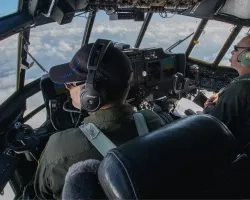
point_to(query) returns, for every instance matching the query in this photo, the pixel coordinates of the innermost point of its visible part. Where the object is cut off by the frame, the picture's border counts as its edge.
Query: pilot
(113, 117)
(232, 104)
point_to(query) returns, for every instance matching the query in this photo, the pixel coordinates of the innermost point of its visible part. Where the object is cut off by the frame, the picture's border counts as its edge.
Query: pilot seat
(194, 157)
(182, 160)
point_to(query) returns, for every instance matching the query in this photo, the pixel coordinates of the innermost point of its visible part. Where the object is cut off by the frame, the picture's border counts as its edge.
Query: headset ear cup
(90, 100)
(103, 97)
(125, 94)
(245, 59)
(82, 99)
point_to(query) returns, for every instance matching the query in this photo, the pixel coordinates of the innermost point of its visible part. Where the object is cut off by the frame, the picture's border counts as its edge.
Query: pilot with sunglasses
(232, 104)
(113, 116)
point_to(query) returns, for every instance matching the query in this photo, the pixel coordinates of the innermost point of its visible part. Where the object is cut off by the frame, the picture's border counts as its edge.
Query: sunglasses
(236, 48)
(70, 86)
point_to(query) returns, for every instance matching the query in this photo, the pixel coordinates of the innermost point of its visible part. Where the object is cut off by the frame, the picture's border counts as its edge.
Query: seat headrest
(176, 161)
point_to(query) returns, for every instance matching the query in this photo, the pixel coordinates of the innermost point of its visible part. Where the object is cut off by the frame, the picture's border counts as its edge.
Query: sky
(9, 7)
(53, 44)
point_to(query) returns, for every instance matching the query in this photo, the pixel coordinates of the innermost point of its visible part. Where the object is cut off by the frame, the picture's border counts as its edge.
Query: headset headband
(95, 58)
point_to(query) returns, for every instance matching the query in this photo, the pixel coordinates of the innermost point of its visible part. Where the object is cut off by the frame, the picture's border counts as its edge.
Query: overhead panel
(237, 8)
(145, 4)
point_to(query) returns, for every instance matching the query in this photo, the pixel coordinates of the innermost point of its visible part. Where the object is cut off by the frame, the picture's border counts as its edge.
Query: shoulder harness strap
(140, 123)
(100, 141)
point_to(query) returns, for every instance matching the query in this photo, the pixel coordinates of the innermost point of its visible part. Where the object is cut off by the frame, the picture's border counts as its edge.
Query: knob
(17, 125)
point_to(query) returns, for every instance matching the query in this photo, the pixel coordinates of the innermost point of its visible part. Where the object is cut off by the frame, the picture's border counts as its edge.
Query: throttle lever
(187, 87)
(196, 69)
(176, 77)
(180, 75)
(187, 82)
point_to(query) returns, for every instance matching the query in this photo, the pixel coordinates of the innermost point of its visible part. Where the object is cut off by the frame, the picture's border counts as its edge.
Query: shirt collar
(242, 77)
(109, 116)
(239, 78)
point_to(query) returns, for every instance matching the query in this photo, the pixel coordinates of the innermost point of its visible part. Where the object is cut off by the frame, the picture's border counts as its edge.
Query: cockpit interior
(161, 77)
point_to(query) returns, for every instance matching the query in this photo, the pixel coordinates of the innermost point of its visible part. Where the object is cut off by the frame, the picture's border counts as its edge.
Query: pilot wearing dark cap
(104, 100)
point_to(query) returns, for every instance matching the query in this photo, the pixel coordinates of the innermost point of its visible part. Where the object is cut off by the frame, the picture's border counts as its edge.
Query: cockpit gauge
(219, 84)
(206, 82)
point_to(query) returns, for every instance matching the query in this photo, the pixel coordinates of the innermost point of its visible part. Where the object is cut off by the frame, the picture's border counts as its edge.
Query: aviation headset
(244, 58)
(91, 97)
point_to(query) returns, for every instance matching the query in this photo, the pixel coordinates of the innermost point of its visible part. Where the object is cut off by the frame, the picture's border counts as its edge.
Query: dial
(206, 82)
(219, 84)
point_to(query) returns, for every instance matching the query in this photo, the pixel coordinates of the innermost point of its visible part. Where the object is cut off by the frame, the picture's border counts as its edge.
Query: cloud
(8, 81)
(5, 93)
(8, 87)
(8, 192)
(32, 103)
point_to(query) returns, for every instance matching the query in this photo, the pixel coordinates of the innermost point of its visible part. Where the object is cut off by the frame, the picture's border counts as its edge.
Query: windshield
(8, 193)
(163, 32)
(8, 65)
(32, 103)
(211, 41)
(8, 7)
(52, 44)
(125, 31)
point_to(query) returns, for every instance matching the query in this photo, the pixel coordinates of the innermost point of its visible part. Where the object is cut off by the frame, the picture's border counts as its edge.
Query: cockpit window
(225, 61)
(52, 44)
(164, 32)
(8, 192)
(211, 41)
(8, 7)
(31, 104)
(122, 31)
(8, 63)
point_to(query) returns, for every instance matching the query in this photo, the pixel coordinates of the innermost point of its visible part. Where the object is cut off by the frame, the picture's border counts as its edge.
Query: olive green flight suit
(71, 146)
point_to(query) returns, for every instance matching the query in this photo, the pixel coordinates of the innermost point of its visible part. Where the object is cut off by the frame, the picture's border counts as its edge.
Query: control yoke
(181, 84)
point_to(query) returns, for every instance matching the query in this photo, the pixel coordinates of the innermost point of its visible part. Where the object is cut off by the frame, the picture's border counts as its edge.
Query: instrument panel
(213, 83)
(213, 80)
(153, 65)
(153, 71)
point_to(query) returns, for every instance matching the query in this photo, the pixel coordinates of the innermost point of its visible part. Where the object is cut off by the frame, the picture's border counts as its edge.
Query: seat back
(177, 161)
(81, 181)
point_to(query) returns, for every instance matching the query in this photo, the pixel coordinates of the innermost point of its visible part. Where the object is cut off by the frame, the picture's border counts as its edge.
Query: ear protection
(92, 98)
(244, 58)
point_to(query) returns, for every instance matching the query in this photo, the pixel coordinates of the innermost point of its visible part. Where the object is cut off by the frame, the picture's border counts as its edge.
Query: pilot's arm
(62, 151)
(230, 105)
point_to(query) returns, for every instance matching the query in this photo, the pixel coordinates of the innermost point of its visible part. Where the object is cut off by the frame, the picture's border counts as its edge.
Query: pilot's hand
(211, 100)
